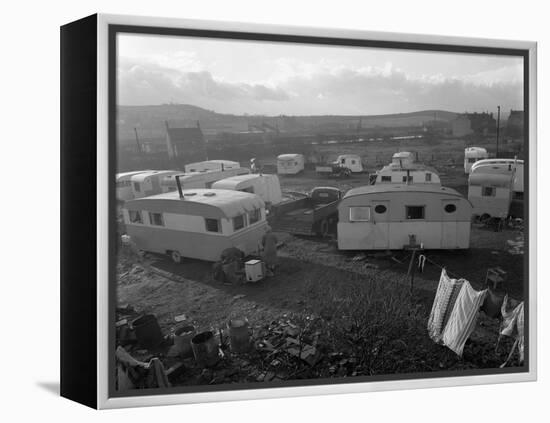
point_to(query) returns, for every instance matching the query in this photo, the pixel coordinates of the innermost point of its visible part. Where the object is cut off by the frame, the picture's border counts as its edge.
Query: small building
(267, 187)
(124, 184)
(209, 165)
(351, 161)
(472, 155)
(515, 123)
(198, 179)
(186, 144)
(393, 217)
(290, 164)
(149, 183)
(416, 173)
(196, 223)
(482, 123)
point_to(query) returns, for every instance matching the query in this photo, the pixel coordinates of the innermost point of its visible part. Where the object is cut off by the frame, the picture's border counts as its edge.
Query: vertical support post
(137, 141)
(411, 270)
(498, 126)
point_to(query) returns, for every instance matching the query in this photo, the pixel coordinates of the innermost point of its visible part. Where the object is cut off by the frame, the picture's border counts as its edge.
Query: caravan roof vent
(209, 194)
(189, 194)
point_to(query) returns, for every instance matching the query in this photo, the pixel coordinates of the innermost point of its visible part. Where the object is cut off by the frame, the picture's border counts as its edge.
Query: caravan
(198, 179)
(196, 223)
(393, 217)
(403, 159)
(503, 167)
(493, 185)
(149, 183)
(290, 164)
(472, 155)
(413, 174)
(266, 186)
(351, 161)
(210, 165)
(124, 189)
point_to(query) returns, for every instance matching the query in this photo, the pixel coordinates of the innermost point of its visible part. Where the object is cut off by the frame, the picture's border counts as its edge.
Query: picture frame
(90, 132)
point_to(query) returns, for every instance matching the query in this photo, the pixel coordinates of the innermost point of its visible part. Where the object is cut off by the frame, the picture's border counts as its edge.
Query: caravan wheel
(175, 256)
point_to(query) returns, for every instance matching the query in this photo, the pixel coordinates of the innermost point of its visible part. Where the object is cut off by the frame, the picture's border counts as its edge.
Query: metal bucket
(147, 331)
(182, 341)
(205, 349)
(239, 335)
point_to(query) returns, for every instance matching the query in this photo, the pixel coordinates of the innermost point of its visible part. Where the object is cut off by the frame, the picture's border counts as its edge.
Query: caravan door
(381, 228)
(449, 224)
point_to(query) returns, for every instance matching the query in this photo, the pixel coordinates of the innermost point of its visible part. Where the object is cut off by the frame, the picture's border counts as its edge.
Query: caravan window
(238, 222)
(135, 216)
(415, 212)
(450, 208)
(386, 178)
(428, 177)
(212, 225)
(488, 191)
(137, 187)
(359, 214)
(254, 216)
(407, 178)
(156, 219)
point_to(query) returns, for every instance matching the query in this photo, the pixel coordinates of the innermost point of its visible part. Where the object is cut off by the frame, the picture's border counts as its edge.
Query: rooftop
(390, 188)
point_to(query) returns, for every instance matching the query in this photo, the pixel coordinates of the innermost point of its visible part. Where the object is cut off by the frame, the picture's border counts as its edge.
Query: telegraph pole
(137, 141)
(498, 126)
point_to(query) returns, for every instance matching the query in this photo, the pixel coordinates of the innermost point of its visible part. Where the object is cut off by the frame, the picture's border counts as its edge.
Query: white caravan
(403, 159)
(266, 186)
(149, 183)
(472, 155)
(503, 167)
(124, 184)
(351, 161)
(493, 184)
(414, 174)
(290, 164)
(199, 179)
(209, 165)
(196, 223)
(393, 217)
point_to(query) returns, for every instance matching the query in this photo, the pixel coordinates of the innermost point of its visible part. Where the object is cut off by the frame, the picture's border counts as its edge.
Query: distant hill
(150, 121)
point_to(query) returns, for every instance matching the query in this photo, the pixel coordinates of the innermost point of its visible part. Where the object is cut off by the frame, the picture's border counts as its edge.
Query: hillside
(150, 121)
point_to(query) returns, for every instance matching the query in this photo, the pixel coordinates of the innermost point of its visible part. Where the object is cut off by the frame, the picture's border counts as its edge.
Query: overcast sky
(296, 79)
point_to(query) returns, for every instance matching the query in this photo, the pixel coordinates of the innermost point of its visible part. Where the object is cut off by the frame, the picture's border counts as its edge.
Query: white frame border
(103, 401)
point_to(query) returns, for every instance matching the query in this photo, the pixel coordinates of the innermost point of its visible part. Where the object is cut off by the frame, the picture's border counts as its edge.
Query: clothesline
(452, 274)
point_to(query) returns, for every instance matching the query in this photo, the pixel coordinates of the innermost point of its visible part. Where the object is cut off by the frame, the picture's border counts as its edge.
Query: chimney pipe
(178, 183)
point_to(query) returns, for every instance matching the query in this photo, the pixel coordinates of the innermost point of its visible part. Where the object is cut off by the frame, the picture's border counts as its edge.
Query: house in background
(185, 144)
(515, 123)
(474, 123)
(461, 126)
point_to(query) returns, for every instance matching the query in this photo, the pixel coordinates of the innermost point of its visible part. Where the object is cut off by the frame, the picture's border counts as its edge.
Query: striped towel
(463, 317)
(445, 298)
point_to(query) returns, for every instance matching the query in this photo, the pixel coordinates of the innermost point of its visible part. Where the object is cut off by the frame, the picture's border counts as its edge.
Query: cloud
(148, 83)
(306, 90)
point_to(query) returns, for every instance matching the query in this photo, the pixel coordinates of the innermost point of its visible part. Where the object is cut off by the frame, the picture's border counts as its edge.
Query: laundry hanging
(513, 326)
(463, 318)
(454, 312)
(445, 297)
